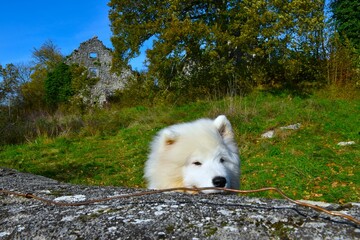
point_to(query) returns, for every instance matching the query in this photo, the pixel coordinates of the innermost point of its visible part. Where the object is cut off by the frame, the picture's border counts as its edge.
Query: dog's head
(205, 152)
(214, 169)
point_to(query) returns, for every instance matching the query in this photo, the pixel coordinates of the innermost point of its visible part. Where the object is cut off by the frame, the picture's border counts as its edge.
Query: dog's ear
(224, 127)
(169, 136)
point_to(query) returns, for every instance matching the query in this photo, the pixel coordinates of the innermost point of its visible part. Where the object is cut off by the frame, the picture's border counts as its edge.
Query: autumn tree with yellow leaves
(224, 46)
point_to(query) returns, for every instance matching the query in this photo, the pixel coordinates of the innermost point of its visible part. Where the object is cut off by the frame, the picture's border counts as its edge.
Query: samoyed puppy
(197, 154)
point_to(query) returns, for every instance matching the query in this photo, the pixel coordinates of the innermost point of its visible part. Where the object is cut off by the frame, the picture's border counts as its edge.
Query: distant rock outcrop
(158, 216)
(97, 58)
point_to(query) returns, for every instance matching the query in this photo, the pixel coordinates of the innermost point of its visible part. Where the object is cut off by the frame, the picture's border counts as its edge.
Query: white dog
(198, 154)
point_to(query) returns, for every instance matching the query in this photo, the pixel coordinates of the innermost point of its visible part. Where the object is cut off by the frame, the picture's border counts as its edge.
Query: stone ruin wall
(97, 58)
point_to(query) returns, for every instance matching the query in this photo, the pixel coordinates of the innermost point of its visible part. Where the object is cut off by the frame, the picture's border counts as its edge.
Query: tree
(66, 81)
(58, 85)
(344, 44)
(33, 91)
(47, 56)
(10, 84)
(12, 78)
(81, 84)
(45, 59)
(346, 17)
(218, 45)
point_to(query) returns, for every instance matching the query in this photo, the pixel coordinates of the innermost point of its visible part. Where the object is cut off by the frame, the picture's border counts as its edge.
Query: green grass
(112, 145)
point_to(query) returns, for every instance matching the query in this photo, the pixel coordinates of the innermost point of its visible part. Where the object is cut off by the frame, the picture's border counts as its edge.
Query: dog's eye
(197, 163)
(222, 160)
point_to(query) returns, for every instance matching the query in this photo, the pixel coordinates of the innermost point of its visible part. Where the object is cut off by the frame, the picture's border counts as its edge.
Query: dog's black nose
(219, 181)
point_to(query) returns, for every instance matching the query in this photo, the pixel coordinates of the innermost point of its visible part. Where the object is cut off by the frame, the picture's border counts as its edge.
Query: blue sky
(25, 25)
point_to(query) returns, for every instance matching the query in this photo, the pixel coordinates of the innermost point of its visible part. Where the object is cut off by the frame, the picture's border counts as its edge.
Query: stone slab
(159, 216)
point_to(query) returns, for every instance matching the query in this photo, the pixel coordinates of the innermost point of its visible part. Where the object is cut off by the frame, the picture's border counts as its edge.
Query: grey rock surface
(346, 143)
(158, 216)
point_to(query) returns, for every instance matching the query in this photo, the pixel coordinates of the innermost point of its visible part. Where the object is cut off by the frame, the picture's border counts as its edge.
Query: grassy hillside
(111, 146)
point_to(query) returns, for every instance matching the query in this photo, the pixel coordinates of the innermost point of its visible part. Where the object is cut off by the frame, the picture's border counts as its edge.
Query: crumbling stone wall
(97, 58)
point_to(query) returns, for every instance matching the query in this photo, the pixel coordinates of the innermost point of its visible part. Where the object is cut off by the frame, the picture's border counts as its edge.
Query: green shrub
(58, 85)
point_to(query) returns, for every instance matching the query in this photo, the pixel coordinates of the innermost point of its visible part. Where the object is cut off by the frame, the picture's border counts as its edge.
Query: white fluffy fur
(193, 154)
